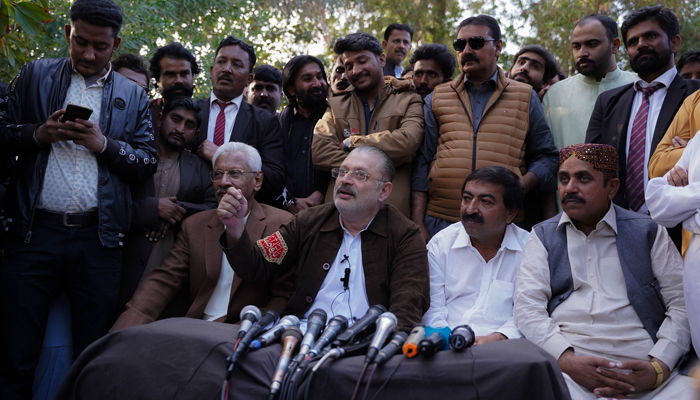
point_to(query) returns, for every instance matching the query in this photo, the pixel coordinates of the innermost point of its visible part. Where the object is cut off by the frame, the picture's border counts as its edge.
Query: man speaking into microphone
(346, 255)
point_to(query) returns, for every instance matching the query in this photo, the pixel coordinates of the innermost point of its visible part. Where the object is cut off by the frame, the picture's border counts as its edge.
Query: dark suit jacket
(196, 259)
(260, 129)
(196, 193)
(611, 116)
(389, 68)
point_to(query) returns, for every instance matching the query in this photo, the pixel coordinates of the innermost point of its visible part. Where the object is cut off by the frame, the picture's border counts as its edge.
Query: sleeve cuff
(510, 333)
(104, 146)
(666, 351)
(556, 345)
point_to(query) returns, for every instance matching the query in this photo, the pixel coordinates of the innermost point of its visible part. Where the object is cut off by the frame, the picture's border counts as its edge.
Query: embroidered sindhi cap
(603, 157)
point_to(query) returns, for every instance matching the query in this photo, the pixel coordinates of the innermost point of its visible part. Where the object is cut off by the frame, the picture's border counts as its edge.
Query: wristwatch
(659, 374)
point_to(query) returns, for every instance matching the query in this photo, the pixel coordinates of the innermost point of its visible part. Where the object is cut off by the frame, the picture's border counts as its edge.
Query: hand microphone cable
(369, 380)
(389, 377)
(359, 380)
(385, 354)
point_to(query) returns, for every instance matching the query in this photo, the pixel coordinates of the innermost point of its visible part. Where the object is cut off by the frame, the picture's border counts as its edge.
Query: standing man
(473, 262)
(306, 89)
(227, 118)
(432, 65)
(266, 89)
(396, 46)
(633, 118)
(569, 104)
(374, 112)
(69, 198)
(174, 69)
(339, 79)
(600, 288)
(533, 65)
(181, 187)
(480, 119)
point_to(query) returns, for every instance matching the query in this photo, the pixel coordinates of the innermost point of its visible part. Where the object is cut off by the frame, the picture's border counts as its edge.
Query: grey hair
(386, 166)
(251, 154)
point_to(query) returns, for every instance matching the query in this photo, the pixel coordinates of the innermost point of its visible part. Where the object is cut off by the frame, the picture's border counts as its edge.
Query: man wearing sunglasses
(480, 119)
(197, 263)
(347, 255)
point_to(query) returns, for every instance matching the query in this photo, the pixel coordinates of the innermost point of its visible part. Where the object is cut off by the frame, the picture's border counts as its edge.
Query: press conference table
(183, 358)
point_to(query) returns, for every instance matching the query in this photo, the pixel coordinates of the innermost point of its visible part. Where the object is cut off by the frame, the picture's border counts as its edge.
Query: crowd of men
(524, 203)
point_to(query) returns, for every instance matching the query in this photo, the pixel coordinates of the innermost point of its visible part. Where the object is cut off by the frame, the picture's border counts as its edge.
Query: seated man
(347, 255)
(198, 260)
(473, 262)
(600, 288)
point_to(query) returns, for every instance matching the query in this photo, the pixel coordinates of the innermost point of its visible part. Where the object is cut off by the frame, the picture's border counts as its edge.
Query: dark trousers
(58, 259)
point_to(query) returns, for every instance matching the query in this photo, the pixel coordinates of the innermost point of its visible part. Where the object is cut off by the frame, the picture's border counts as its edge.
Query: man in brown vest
(480, 119)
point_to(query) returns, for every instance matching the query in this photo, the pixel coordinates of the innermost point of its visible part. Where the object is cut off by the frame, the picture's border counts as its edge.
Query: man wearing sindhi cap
(600, 288)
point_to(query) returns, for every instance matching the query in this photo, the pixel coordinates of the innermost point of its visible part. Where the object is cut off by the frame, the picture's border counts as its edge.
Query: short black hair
(132, 62)
(483, 20)
(175, 51)
(406, 70)
(551, 66)
(608, 23)
(498, 175)
(98, 13)
(267, 73)
(666, 19)
(292, 68)
(400, 27)
(689, 56)
(438, 53)
(232, 41)
(185, 103)
(358, 41)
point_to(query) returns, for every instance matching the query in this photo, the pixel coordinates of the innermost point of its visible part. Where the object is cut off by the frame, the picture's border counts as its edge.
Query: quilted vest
(500, 139)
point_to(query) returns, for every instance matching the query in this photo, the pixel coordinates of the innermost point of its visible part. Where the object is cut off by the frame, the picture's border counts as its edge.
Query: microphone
(290, 339)
(269, 318)
(393, 347)
(334, 327)
(249, 316)
(461, 337)
(370, 317)
(386, 325)
(431, 344)
(410, 349)
(276, 331)
(316, 322)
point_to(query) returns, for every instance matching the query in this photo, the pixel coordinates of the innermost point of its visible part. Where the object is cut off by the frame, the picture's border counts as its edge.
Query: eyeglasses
(359, 176)
(475, 42)
(233, 174)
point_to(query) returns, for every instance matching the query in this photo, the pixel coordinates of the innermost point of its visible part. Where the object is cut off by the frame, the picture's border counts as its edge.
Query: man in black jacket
(233, 120)
(69, 199)
(306, 87)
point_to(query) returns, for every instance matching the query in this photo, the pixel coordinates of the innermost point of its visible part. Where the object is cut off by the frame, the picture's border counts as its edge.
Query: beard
(654, 61)
(313, 98)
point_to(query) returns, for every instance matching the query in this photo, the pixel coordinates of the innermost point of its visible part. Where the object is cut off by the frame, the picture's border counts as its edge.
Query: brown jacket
(396, 126)
(196, 259)
(394, 258)
(500, 139)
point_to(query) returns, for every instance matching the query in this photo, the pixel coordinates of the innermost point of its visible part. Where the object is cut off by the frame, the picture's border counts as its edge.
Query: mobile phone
(74, 111)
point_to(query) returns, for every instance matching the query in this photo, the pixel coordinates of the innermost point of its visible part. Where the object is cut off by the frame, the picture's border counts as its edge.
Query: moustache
(584, 60)
(177, 135)
(644, 52)
(572, 197)
(221, 192)
(468, 57)
(360, 76)
(524, 75)
(423, 89)
(225, 77)
(264, 100)
(466, 217)
(348, 189)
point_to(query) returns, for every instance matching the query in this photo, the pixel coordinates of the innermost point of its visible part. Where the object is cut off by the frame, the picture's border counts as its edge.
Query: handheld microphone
(334, 327)
(410, 349)
(359, 326)
(275, 332)
(269, 318)
(393, 347)
(290, 339)
(461, 337)
(316, 322)
(386, 325)
(431, 344)
(249, 316)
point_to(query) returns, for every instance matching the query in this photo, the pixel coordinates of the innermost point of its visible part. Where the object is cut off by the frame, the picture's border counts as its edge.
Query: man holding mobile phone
(69, 201)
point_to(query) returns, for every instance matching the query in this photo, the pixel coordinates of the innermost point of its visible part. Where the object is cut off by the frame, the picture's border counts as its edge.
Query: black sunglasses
(475, 42)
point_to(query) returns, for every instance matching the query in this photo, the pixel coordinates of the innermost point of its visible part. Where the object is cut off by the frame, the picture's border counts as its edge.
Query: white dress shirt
(597, 319)
(656, 100)
(670, 205)
(333, 297)
(465, 289)
(231, 113)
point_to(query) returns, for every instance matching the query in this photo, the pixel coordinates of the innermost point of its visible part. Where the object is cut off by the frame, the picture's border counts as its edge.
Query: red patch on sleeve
(273, 248)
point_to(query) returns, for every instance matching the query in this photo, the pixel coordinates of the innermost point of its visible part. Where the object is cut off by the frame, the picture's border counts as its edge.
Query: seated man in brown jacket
(196, 258)
(347, 255)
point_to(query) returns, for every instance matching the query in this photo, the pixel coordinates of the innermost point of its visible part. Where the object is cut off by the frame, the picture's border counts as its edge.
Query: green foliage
(20, 22)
